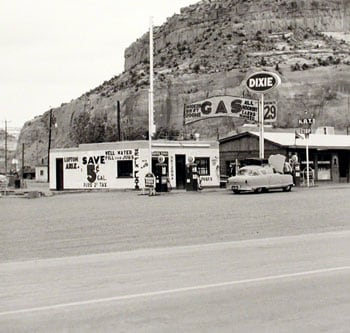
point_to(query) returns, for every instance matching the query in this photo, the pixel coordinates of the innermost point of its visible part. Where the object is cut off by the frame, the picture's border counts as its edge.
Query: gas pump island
(159, 181)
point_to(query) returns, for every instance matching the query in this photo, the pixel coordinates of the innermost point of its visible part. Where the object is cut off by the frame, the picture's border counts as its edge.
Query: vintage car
(258, 179)
(3, 179)
(3, 183)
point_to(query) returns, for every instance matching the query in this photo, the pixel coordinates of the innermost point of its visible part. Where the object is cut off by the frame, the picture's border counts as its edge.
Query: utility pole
(51, 122)
(118, 120)
(347, 125)
(150, 100)
(37, 144)
(5, 147)
(49, 147)
(22, 172)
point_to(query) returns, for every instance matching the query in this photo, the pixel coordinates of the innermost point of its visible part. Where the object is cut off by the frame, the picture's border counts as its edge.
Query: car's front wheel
(287, 188)
(236, 191)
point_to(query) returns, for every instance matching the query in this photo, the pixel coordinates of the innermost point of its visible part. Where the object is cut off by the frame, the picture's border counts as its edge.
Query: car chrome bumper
(235, 187)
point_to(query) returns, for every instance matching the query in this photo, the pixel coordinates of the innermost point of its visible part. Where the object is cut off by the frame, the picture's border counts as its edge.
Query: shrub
(196, 68)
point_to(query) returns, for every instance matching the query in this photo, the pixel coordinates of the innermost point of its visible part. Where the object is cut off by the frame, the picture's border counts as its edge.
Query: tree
(78, 132)
(131, 133)
(111, 133)
(167, 133)
(96, 129)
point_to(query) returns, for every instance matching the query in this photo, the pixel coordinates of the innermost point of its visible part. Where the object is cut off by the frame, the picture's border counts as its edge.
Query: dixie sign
(262, 82)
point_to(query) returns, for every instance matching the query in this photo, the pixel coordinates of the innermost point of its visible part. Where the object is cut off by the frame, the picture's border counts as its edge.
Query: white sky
(52, 51)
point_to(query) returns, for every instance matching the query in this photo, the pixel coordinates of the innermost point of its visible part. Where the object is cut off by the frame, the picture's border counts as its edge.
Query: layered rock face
(247, 16)
(208, 50)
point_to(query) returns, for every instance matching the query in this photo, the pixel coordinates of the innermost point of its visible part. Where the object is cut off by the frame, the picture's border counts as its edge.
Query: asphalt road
(188, 262)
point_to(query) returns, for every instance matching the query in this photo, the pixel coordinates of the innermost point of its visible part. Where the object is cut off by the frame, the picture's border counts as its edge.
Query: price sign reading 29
(270, 111)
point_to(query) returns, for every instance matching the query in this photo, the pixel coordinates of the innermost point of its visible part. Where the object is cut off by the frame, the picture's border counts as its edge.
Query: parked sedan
(258, 179)
(3, 183)
(3, 179)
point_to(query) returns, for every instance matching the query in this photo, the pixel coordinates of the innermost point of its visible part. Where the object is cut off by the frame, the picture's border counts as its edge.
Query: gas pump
(296, 170)
(161, 173)
(192, 176)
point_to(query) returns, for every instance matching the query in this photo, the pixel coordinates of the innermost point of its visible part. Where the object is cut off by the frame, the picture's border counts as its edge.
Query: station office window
(203, 166)
(324, 167)
(125, 169)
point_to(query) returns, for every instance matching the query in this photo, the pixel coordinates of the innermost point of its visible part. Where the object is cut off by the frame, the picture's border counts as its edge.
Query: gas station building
(124, 164)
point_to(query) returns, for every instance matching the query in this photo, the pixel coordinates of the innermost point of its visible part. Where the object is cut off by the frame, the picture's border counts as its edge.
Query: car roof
(254, 161)
(253, 167)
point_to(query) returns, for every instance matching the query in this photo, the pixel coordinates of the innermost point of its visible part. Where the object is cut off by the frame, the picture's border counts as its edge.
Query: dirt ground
(87, 223)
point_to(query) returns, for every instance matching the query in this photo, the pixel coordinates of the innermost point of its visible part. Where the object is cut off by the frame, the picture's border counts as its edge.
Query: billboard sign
(262, 82)
(228, 106)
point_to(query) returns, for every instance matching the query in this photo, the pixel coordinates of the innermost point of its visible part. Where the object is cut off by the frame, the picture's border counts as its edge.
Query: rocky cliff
(222, 23)
(209, 49)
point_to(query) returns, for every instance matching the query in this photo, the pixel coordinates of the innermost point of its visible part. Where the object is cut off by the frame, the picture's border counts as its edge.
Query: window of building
(203, 166)
(125, 169)
(324, 170)
(41, 172)
(324, 167)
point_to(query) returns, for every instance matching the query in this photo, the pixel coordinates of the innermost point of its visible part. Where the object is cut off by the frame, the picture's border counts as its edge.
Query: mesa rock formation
(208, 50)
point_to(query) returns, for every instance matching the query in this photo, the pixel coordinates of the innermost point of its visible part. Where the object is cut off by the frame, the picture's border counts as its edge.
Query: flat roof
(160, 144)
(316, 141)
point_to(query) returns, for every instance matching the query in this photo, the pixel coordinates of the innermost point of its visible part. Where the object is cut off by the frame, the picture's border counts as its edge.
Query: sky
(53, 51)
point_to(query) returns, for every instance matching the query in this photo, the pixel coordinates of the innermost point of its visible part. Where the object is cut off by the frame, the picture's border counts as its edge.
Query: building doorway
(344, 167)
(59, 174)
(180, 170)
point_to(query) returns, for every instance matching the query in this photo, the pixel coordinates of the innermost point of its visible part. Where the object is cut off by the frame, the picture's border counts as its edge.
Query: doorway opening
(180, 170)
(59, 174)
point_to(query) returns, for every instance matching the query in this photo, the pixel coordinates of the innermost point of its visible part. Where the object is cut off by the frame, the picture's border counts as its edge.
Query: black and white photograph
(175, 166)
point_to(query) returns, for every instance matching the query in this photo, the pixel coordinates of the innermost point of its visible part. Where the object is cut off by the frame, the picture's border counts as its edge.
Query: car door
(273, 178)
(261, 179)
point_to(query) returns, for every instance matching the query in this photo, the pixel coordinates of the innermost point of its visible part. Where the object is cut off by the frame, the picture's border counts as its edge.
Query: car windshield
(248, 172)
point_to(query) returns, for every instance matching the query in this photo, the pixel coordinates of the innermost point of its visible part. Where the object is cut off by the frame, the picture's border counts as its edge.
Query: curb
(38, 193)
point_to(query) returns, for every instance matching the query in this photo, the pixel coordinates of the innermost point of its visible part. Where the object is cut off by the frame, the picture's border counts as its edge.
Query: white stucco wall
(101, 160)
(41, 173)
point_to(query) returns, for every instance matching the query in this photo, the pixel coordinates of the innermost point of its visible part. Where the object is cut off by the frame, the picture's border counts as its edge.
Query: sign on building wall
(96, 169)
(228, 106)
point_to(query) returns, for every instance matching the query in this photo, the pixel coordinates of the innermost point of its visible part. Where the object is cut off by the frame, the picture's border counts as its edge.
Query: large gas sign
(228, 106)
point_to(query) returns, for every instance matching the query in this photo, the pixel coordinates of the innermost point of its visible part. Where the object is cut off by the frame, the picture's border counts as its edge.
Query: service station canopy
(229, 106)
